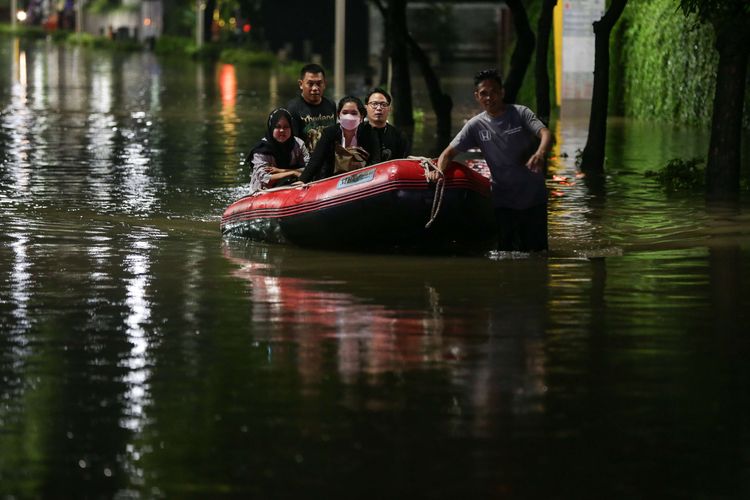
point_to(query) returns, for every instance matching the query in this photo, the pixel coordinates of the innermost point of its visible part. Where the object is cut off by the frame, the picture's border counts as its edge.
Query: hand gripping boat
(388, 205)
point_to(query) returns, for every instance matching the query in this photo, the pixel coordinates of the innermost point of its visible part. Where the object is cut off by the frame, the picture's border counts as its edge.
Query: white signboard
(578, 47)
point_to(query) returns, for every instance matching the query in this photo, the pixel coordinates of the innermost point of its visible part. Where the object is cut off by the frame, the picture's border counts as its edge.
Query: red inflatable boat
(387, 205)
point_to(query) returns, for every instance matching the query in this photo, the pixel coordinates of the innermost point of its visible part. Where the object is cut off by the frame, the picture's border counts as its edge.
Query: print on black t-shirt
(308, 120)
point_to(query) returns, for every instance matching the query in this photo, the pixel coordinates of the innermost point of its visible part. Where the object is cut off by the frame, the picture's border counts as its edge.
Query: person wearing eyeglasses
(388, 142)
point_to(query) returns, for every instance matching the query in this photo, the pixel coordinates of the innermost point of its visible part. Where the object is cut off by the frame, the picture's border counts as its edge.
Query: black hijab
(281, 151)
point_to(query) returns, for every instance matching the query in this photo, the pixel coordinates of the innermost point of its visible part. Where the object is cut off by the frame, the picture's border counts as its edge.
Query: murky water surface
(142, 356)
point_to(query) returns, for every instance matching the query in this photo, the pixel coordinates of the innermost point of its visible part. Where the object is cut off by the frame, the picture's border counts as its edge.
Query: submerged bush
(248, 58)
(291, 68)
(680, 175)
(23, 30)
(166, 45)
(207, 51)
(102, 42)
(177, 45)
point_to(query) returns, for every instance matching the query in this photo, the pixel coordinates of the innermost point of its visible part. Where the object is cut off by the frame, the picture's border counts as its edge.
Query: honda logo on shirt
(485, 135)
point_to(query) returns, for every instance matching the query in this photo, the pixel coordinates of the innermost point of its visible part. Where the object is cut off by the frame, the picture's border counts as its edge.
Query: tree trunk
(442, 103)
(397, 32)
(385, 53)
(724, 153)
(522, 52)
(208, 21)
(593, 154)
(542, 50)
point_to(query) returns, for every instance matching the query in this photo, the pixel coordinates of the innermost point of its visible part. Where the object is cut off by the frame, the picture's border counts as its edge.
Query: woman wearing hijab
(342, 147)
(278, 159)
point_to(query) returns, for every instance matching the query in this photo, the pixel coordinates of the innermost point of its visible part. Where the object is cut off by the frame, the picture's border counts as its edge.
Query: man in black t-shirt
(390, 142)
(311, 111)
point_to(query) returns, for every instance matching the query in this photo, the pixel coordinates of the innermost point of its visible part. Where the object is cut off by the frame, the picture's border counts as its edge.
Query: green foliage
(670, 65)
(60, 35)
(246, 57)
(666, 65)
(680, 175)
(291, 68)
(65, 36)
(617, 68)
(206, 51)
(182, 46)
(23, 30)
(527, 92)
(174, 45)
(85, 39)
(102, 6)
(180, 20)
(418, 114)
(102, 42)
(710, 10)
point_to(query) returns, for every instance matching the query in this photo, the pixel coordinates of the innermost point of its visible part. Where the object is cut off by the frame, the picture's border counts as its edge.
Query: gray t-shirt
(505, 143)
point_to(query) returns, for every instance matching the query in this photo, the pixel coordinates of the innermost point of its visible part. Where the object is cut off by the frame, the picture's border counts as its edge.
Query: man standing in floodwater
(504, 133)
(311, 111)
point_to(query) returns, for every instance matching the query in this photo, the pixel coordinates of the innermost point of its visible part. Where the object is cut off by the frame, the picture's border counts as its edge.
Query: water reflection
(139, 315)
(726, 288)
(101, 130)
(228, 88)
(375, 334)
(570, 224)
(142, 356)
(370, 339)
(273, 90)
(622, 210)
(227, 85)
(19, 70)
(20, 281)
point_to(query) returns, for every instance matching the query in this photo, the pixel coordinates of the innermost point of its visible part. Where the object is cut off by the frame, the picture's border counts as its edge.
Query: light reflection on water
(141, 355)
(376, 332)
(20, 282)
(371, 338)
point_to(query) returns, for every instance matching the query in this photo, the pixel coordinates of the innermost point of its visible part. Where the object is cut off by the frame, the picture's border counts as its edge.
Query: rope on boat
(437, 201)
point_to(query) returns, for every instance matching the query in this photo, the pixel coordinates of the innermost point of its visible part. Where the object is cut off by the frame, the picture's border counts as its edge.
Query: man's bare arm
(443, 161)
(536, 162)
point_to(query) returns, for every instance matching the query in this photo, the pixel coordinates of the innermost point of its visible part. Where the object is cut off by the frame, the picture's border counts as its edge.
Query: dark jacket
(323, 160)
(389, 143)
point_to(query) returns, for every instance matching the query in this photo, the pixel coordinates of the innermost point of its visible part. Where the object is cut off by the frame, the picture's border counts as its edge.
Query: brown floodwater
(143, 356)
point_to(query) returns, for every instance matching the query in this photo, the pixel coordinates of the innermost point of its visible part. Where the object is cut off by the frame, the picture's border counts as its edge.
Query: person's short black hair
(311, 68)
(378, 90)
(488, 74)
(355, 100)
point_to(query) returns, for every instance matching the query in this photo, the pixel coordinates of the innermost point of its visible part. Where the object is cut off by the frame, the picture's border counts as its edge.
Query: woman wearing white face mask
(342, 147)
